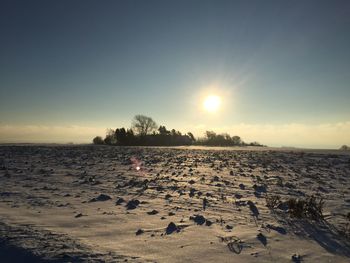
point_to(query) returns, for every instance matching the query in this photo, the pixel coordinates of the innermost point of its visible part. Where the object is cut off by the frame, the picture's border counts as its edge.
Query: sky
(71, 69)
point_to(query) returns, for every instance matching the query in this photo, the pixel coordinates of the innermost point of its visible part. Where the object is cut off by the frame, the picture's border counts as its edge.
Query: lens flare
(136, 163)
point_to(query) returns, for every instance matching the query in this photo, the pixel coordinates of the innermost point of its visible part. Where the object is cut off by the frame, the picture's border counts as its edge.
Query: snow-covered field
(116, 204)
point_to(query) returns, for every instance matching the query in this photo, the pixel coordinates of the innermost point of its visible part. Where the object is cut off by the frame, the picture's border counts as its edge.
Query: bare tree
(143, 125)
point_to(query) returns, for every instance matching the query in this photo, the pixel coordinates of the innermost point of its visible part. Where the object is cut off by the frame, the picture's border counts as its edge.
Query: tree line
(144, 131)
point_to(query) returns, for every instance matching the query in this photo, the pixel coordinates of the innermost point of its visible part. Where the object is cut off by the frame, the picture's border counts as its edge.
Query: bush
(98, 140)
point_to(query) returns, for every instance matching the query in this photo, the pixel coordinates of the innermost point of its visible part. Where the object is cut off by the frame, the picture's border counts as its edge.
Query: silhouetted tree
(236, 140)
(130, 137)
(146, 134)
(255, 144)
(110, 137)
(98, 140)
(143, 125)
(224, 139)
(210, 135)
(163, 131)
(120, 135)
(190, 134)
(344, 148)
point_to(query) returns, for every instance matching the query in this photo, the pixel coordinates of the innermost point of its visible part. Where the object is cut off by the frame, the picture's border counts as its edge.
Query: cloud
(49, 134)
(327, 135)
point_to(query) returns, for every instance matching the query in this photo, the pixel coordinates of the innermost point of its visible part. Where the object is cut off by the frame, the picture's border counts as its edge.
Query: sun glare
(212, 103)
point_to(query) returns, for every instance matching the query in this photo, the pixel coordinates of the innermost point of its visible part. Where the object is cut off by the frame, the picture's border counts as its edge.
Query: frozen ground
(112, 204)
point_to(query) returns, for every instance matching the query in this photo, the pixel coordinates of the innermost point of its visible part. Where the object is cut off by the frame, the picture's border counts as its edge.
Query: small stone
(191, 193)
(192, 182)
(216, 178)
(79, 215)
(262, 239)
(199, 219)
(139, 232)
(119, 201)
(238, 196)
(132, 204)
(171, 228)
(208, 222)
(153, 212)
(101, 197)
(296, 258)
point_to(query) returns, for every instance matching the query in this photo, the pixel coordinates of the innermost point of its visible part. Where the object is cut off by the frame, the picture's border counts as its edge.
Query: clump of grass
(347, 226)
(273, 201)
(279, 182)
(296, 208)
(344, 230)
(310, 207)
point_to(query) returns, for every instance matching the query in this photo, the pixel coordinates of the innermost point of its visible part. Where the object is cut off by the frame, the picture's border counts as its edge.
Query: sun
(212, 103)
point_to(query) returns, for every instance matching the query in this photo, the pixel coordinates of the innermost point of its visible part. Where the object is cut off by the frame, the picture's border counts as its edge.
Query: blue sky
(95, 64)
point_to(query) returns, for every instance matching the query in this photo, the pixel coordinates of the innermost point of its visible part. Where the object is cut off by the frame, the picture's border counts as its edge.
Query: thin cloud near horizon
(324, 135)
